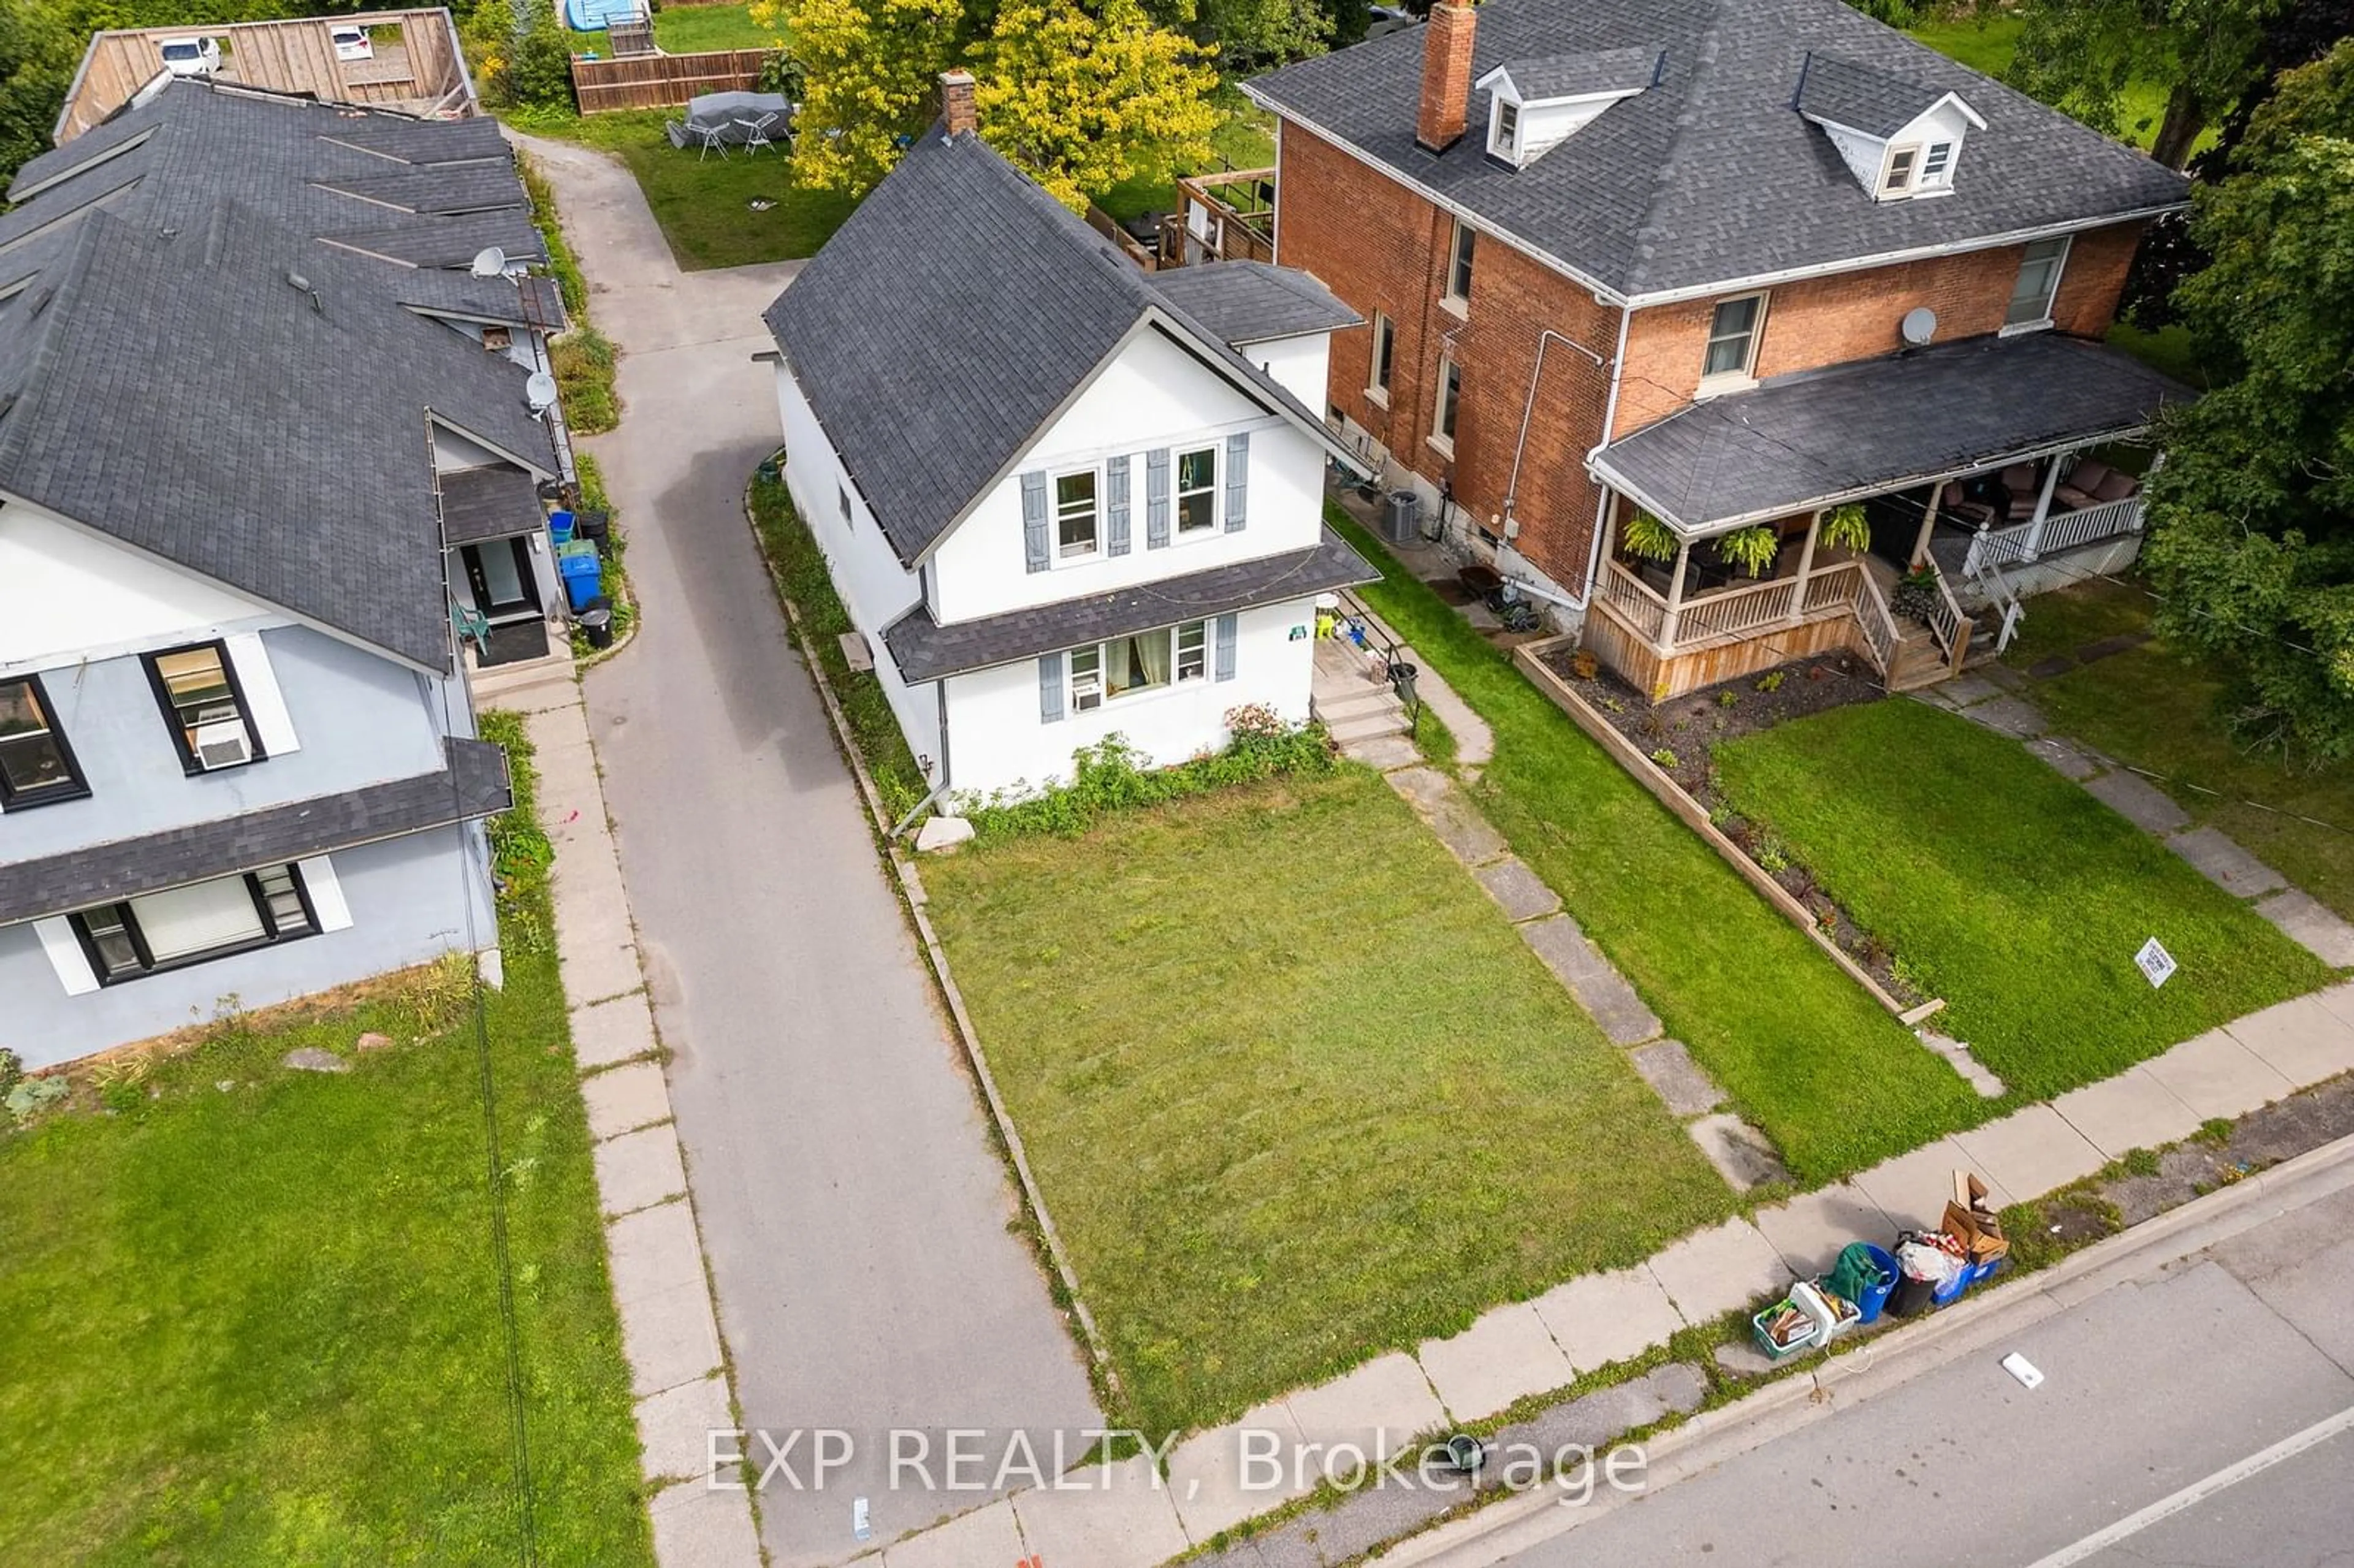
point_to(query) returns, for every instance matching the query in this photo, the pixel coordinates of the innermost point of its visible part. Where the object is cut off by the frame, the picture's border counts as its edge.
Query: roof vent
(1919, 325)
(302, 283)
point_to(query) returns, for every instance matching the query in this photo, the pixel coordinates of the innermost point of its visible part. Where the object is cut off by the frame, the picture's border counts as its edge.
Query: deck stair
(1351, 694)
(1919, 662)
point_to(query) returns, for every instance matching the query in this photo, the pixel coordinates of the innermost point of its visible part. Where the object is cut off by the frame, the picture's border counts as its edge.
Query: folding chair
(713, 139)
(756, 134)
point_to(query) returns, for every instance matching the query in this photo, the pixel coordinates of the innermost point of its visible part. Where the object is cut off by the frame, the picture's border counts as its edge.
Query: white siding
(1154, 395)
(1865, 155)
(1297, 364)
(1545, 126)
(453, 451)
(997, 741)
(67, 594)
(875, 588)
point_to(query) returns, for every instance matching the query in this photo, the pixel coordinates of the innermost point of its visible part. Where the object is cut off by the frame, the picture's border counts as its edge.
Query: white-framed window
(1077, 516)
(1451, 398)
(1733, 334)
(1458, 264)
(1384, 356)
(1132, 666)
(1901, 162)
(1197, 491)
(1937, 166)
(2040, 267)
(1504, 136)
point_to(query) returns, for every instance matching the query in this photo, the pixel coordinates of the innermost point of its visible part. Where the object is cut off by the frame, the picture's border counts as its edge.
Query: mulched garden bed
(1681, 734)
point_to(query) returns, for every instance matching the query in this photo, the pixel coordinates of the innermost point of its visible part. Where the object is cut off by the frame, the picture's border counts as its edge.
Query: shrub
(1665, 757)
(1114, 776)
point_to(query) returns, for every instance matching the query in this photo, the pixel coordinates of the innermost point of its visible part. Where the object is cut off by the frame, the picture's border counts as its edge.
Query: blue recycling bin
(1874, 1300)
(583, 573)
(559, 527)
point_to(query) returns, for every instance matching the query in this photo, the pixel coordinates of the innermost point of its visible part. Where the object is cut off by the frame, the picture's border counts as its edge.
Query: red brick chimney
(1445, 76)
(957, 111)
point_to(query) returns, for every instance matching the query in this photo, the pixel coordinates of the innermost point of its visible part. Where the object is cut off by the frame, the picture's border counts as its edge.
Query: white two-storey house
(1062, 499)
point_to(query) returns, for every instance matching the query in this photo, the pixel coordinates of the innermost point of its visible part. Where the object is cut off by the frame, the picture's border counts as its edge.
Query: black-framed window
(210, 720)
(37, 765)
(1458, 262)
(193, 924)
(1384, 352)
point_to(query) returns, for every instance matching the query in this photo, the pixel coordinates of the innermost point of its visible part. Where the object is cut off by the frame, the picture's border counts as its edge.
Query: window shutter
(1156, 499)
(264, 703)
(1116, 512)
(1034, 519)
(66, 957)
(1237, 480)
(1225, 662)
(326, 893)
(1050, 688)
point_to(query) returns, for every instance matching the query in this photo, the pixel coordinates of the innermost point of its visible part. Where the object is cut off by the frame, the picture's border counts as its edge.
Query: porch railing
(1625, 592)
(1358, 626)
(1737, 610)
(2004, 603)
(1880, 634)
(2061, 531)
(1947, 622)
(1834, 587)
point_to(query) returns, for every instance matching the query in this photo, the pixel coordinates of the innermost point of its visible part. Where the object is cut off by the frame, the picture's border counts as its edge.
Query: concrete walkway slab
(653, 1251)
(2069, 759)
(1809, 1230)
(1676, 1078)
(1715, 1271)
(2313, 926)
(2302, 1040)
(2130, 1111)
(638, 1169)
(2216, 1075)
(1104, 1515)
(675, 1429)
(2031, 1152)
(987, 1536)
(2220, 860)
(2338, 999)
(1559, 941)
(1507, 1355)
(1616, 1007)
(625, 1099)
(1913, 1189)
(2138, 802)
(1744, 1156)
(2008, 715)
(1598, 1318)
(1205, 1480)
(1387, 1401)
(671, 1338)
(696, 1527)
(1519, 891)
(614, 1031)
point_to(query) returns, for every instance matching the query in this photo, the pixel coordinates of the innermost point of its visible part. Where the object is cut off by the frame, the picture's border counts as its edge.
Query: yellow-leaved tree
(1083, 99)
(1080, 99)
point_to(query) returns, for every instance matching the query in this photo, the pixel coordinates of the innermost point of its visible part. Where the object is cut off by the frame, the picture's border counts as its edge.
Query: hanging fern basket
(1750, 549)
(1846, 527)
(1645, 535)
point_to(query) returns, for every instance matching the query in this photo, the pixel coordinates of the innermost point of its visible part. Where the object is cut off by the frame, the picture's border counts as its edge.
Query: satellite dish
(1919, 325)
(539, 391)
(490, 261)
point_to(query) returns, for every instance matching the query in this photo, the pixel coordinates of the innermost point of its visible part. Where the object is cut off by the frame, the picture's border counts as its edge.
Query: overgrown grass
(799, 570)
(703, 203)
(253, 1315)
(1294, 1091)
(2162, 711)
(583, 358)
(2014, 894)
(1114, 776)
(1834, 1080)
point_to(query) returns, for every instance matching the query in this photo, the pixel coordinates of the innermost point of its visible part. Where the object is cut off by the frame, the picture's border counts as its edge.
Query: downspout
(1520, 449)
(1609, 423)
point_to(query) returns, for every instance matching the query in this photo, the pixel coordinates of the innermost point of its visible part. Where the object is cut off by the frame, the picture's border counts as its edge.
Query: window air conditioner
(223, 745)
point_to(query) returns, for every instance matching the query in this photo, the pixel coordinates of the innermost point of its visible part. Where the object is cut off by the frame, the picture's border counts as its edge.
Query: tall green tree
(2082, 56)
(38, 49)
(2252, 517)
(871, 73)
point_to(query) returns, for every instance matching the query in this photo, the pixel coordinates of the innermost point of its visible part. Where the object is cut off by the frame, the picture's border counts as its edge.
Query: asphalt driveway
(854, 1213)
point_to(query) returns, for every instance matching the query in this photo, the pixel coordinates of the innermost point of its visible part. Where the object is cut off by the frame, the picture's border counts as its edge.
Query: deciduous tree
(871, 70)
(2083, 54)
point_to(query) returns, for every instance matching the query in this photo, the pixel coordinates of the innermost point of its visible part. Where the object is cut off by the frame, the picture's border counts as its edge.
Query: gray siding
(411, 899)
(360, 719)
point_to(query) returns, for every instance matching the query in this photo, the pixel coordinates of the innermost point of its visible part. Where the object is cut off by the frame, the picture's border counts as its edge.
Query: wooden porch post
(1928, 524)
(1675, 599)
(2042, 506)
(1805, 566)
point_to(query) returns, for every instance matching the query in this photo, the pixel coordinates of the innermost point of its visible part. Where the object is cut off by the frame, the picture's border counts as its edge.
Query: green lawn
(2159, 710)
(252, 1317)
(1986, 46)
(704, 203)
(689, 30)
(1834, 1080)
(2013, 893)
(1294, 1091)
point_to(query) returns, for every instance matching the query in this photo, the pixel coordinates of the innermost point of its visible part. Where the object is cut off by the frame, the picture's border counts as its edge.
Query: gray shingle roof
(1811, 439)
(489, 503)
(1714, 175)
(474, 784)
(178, 391)
(952, 314)
(1572, 76)
(1871, 101)
(927, 651)
(444, 291)
(1250, 302)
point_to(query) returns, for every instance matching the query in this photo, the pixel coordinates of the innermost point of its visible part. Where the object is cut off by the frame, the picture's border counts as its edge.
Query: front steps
(1352, 695)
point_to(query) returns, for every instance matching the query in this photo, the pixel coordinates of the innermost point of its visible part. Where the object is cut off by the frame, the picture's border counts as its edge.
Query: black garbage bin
(594, 526)
(597, 625)
(1402, 677)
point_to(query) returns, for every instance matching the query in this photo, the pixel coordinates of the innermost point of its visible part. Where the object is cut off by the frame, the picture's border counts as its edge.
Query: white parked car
(352, 43)
(191, 56)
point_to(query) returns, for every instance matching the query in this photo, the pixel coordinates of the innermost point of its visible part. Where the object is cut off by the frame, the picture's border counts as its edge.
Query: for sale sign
(2155, 962)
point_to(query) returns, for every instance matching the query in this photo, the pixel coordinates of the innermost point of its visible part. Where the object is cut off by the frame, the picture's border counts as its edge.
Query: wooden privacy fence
(659, 81)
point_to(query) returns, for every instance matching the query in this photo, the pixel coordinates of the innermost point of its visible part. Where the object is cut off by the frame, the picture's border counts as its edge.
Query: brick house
(1659, 292)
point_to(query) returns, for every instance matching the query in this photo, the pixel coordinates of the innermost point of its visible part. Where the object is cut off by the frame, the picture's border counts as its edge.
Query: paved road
(2153, 1390)
(853, 1212)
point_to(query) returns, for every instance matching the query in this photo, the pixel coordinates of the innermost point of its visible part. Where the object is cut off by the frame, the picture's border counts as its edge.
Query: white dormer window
(1902, 140)
(1937, 166)
(1899, 177)
(1504, 135)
